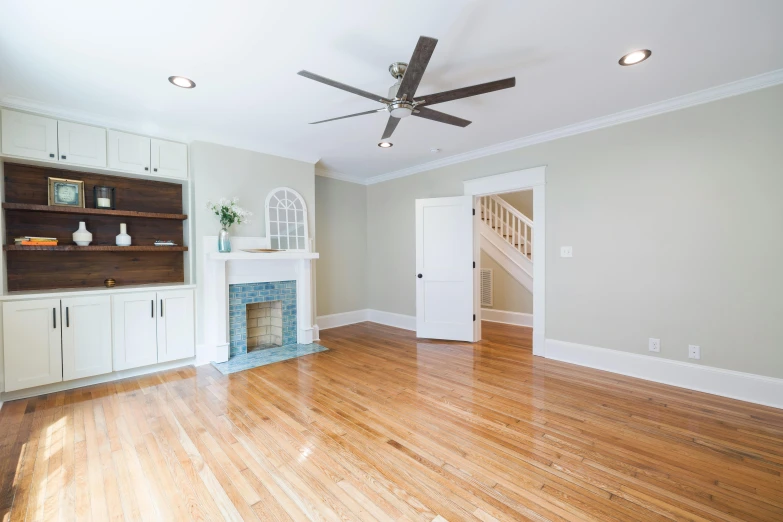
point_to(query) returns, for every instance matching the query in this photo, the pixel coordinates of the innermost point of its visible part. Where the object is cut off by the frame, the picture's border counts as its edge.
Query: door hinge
(474, 317)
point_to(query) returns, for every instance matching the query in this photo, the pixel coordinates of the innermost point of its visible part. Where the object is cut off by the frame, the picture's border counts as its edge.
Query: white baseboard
(98, 379)
(407, 322)
(749, 387)
(502, 316)
(343, 319)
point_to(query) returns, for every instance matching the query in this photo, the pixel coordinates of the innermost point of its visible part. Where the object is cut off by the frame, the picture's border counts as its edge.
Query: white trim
(534, 178)
(342, 319)
(98, 379)
(748, 387)
(406, 322)
(502, 316)
(719, 92)
(328, 173)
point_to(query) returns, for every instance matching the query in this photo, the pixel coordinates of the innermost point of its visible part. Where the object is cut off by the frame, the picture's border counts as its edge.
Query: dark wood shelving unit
(151, 210)
(92, 211)
(95, 248)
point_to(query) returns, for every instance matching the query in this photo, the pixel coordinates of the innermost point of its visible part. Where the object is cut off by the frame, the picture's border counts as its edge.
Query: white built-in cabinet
(51, 340)
(86, 333)
(81, 144)
(47, 341)
(129, 152)
(152, 327)
(32, 343)
(29, 136)
(169, 159)
(41, 138)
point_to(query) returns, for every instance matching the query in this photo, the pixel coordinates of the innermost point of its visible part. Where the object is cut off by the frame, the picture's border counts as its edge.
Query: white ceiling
(109, 61)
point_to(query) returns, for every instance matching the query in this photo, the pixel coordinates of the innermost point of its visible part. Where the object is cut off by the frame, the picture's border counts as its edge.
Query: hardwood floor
(386, 427)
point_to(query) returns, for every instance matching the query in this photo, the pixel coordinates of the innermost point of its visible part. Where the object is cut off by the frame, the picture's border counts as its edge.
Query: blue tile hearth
(240, 295)
(258, 358)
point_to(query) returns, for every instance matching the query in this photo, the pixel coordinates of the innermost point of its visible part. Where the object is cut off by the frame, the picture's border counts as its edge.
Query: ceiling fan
(402, 101)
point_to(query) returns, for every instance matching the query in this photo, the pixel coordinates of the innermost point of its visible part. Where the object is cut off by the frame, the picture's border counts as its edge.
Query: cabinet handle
(67, 318)
(51, 154)
(146, 168)
(161, 307)
(54, 317)
(152, 308)
(63, 156)
(155, 169)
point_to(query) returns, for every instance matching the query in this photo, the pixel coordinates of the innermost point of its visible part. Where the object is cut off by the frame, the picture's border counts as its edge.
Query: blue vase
(224, 242)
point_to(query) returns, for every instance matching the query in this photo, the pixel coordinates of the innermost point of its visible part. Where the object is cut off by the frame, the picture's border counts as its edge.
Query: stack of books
(35, 241)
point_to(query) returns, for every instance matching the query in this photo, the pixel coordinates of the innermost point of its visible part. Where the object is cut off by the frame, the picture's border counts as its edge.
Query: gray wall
(341, 215)
(509, 294)
(674, 221)
(522, 201)
(218, 171)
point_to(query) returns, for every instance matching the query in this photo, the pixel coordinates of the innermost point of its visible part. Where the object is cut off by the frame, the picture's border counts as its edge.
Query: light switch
(566, 251)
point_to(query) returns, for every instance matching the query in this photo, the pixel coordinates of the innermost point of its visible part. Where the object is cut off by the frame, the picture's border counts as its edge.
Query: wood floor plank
(384, 426)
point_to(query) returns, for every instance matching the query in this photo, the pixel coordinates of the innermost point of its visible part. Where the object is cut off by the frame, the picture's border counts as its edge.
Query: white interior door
(86, 336)
(444, 268)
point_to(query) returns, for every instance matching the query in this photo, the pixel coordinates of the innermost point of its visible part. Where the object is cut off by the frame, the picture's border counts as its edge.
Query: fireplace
(261, 315)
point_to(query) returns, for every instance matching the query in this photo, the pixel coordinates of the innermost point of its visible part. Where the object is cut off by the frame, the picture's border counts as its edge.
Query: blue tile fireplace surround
(241, 295)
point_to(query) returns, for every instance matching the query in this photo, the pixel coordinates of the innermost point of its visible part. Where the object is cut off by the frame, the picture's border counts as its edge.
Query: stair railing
(512, 225)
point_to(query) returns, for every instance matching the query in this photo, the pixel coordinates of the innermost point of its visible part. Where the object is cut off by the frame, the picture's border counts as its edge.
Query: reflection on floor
(266, 356)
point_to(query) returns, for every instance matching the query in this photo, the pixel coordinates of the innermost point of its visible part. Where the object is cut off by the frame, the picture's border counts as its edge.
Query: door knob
(419, 276)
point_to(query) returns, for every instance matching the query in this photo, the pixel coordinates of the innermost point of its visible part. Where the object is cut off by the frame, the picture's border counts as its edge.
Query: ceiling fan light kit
(402, 101)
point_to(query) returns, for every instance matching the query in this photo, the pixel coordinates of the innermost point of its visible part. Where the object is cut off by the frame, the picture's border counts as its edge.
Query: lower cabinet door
(176, 339)
(86, 336)
(31, 343)
(134, 327)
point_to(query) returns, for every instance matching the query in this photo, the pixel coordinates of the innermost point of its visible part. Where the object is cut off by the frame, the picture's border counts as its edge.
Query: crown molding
(720, 92)
(327, 173)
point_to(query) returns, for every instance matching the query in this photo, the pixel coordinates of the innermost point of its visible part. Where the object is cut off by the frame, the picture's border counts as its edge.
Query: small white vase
(123, 239)
(82, 237)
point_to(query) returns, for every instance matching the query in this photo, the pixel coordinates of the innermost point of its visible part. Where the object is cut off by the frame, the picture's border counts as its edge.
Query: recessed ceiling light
(385, 144)
(181, 81)
(635, 57)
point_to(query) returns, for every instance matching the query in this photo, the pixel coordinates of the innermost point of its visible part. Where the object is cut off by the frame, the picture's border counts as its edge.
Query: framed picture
(66, 192)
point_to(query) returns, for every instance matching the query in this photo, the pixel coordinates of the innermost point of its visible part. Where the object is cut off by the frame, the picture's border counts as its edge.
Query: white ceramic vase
(82, 237)
(123, 239)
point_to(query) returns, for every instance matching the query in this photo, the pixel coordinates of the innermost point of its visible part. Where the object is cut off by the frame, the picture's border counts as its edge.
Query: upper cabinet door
(81, 144)
(129, 152)
(86, 336)
(31, 343)
(175, 325)
(29, 136)
(169, 159)
(134, 324)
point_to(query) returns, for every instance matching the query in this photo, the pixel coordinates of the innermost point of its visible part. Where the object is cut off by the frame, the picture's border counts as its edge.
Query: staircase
(507, 237)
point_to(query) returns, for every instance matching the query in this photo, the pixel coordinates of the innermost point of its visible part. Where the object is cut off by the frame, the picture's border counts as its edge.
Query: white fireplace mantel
(239, 267)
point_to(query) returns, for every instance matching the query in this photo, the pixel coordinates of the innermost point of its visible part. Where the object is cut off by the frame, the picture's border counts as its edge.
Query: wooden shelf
(91, 211)
(95, 248)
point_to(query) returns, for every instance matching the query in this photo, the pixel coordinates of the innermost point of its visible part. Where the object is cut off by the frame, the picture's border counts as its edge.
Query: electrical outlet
(655, 345)
(566, 251)
(694, 351)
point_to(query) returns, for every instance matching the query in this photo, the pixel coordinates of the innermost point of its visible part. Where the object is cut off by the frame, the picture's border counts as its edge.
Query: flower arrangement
(228, 212)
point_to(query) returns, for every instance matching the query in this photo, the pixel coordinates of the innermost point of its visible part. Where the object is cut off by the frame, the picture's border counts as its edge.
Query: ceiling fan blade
(390, 126)
(416, 66)
(354, 90)
(466, 92)
(350, 116)
(423, 112)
